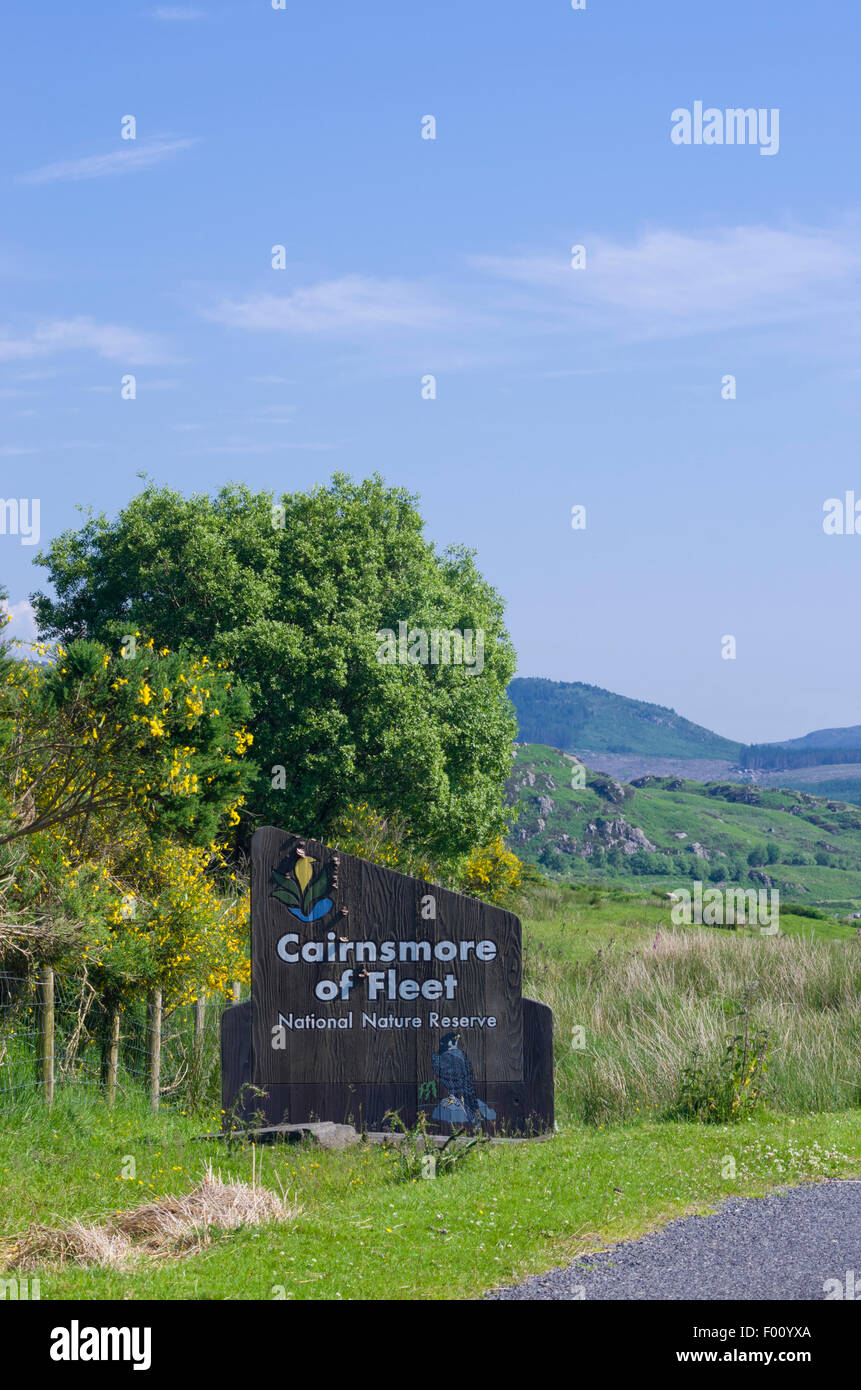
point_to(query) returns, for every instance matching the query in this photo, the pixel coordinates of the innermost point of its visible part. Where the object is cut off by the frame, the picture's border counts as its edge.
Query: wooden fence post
(237, 991)
(199, 1023)
(45, 1034)
(113, 1057)
(154, 1014)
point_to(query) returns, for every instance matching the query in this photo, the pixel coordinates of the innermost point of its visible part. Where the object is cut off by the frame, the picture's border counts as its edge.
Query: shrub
(415, 1154)
(383, 840)
(731, 1091)
(493, 873)
(551, 859)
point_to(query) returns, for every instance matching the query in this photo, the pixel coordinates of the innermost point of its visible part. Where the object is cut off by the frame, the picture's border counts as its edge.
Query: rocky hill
(583, 824)
(633, 739)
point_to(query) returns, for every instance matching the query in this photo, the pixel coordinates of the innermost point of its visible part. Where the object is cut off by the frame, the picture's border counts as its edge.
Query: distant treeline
(772, 756)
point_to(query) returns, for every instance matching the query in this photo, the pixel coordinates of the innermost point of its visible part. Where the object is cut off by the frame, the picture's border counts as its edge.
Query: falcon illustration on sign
(453, 1069)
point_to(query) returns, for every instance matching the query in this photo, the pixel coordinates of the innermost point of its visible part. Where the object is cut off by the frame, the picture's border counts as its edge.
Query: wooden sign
(374, 992)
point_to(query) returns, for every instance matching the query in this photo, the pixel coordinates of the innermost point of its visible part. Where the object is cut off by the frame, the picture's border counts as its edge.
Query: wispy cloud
(663, 284)
(110, 340)
(15, 451)
(669, 283)
(273, 415)
(143, 384)
(79, 444)
(23, 624)
(353, 304)
(245, 447)
(176, 13)
(130, 158)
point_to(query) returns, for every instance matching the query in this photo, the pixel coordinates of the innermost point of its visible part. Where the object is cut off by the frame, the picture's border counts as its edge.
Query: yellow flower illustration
(304, 871)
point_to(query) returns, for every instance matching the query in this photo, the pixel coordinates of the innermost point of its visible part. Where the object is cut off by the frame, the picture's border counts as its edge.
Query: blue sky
(302, 127)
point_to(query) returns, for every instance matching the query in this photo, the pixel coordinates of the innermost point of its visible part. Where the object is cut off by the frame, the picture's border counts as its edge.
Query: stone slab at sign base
(324, 1133)
(375, 992)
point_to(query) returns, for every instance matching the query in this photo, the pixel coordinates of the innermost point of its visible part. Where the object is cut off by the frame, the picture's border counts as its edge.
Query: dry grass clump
(169, 1227)
(75, 1243)
(164, 1226)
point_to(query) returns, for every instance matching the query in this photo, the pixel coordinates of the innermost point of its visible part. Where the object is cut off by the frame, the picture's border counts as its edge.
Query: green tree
(291, 595)
(551, 859)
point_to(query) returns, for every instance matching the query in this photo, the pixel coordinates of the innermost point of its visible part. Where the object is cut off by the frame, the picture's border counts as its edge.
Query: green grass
(576, 920)
(618, 1167)
(363, 1234)
(646, 995)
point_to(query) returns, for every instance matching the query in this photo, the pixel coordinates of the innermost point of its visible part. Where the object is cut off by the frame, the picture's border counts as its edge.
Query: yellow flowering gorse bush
(118, 781)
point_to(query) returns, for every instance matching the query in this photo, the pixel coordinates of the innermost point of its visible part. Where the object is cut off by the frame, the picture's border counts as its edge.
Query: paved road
(784, 1246)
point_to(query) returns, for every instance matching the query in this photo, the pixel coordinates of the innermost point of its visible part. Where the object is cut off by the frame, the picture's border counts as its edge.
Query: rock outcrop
(615, 834)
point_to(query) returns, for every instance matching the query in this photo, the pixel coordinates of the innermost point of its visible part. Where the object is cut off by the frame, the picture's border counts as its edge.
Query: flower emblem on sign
(305, 891)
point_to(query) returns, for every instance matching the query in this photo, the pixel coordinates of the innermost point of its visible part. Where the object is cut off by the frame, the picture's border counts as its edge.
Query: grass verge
(366, 1233)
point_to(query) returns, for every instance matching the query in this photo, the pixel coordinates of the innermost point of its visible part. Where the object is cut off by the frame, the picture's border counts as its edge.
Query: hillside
(631, 739)
(572, 716)
(669, 831)
(827, 738)
(841, 783)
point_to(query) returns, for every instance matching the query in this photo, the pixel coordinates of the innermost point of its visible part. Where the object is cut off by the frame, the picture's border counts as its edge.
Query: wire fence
(67, 1039)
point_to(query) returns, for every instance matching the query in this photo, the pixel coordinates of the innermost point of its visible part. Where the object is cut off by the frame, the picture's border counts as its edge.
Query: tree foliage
(291, 595)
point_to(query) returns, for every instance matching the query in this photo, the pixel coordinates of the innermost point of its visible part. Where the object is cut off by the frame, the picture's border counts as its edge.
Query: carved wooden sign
(373, 992)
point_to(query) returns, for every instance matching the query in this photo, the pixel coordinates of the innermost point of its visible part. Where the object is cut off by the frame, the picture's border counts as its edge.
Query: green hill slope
(571, 715)
(827, 738)
(666, 832)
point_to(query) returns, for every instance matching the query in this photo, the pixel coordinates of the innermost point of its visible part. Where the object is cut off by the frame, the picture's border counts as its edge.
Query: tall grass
(643, 1013)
